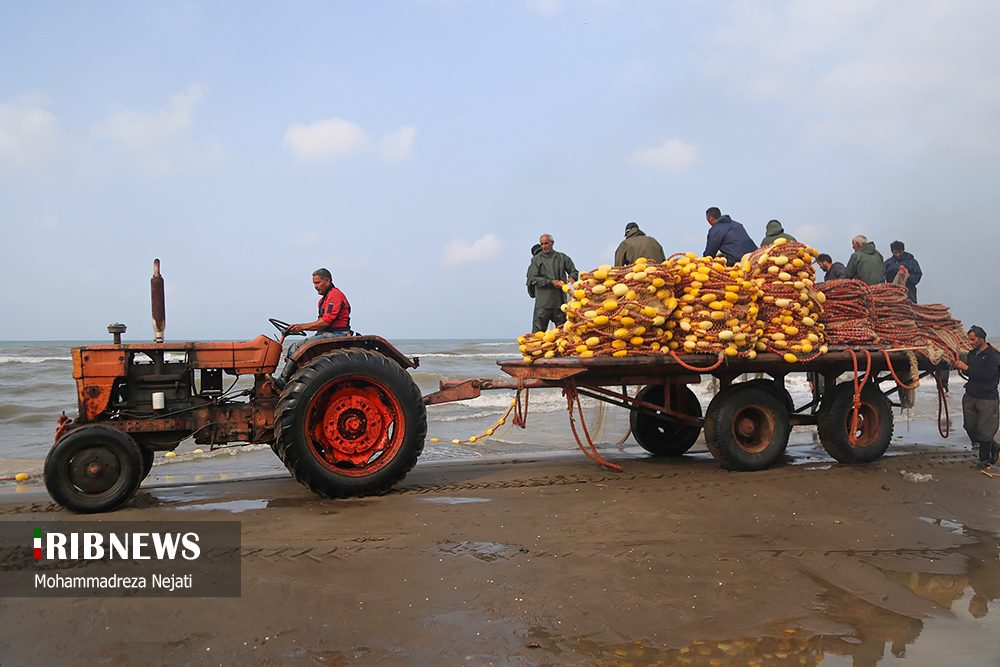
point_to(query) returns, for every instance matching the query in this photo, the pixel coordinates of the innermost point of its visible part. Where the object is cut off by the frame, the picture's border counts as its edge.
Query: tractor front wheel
(350, 423)
(93, 469)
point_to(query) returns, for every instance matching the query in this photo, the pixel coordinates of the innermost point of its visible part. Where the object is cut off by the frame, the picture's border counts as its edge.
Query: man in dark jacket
(981, 403)
(727, 237)
(831, 270)
(904, 263)
(636, 245)
(773, 232)
(866, 264)
(547, 273)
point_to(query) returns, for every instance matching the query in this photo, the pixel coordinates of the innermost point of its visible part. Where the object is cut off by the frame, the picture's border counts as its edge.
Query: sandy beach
(551, 560)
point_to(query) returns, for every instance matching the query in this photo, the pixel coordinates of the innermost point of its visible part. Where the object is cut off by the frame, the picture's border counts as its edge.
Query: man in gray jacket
(636, 245)
(866, 264)
(548, 272)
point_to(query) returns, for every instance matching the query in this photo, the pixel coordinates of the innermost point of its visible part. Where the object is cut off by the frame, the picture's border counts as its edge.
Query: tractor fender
(314, 348)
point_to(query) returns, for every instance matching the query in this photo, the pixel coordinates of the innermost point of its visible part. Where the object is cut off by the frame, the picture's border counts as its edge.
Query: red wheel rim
(355, 425)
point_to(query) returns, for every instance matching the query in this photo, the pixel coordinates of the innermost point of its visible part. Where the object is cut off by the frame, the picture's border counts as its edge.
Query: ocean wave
(7, 359)
(461, 355)
(187, 457)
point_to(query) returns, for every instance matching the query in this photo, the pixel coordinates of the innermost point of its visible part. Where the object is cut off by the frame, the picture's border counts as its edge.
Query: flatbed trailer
(747, 423)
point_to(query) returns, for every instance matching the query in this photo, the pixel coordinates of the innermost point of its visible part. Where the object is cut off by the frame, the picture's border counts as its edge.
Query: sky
(419, 148)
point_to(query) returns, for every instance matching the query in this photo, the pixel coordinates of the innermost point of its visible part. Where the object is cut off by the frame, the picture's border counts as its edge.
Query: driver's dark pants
(290, 366)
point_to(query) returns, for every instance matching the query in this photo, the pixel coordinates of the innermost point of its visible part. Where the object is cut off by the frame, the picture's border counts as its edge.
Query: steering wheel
(282, 328)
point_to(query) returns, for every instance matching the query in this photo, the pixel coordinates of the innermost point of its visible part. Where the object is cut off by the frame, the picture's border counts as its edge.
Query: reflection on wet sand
(873, 627)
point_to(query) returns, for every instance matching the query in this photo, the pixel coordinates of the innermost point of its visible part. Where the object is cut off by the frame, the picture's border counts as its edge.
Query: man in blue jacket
(904, 263)
(727, 237)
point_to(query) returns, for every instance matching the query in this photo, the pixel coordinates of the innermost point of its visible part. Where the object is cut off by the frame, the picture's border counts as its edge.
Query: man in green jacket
(636, 245)
(547, 274)
(866, 264)
(775, 231)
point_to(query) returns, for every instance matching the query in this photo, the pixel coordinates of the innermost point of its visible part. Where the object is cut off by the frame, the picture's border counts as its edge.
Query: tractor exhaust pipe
(159, 306)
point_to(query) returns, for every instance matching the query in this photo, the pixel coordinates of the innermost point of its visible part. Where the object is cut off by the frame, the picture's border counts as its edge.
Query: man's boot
(286, 374)
(994, 452)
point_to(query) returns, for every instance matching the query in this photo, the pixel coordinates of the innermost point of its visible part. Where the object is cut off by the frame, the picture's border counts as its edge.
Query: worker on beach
(637, 244)
(726, 237)
(831, 270)
(902, 268)
(981, 403)
(773, 232)
(333, 320)
(866, 264)
(548, 272)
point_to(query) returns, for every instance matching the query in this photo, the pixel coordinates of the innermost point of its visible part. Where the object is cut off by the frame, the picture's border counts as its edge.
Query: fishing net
(944, 335)
(790, 304)
(613, 311)
(849, 313)
(895, 323)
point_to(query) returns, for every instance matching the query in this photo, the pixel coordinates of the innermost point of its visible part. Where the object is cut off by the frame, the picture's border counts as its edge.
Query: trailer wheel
(746, 427)
(350, 423)
(835, 420)
(93, 469)
(781, 392)
(661, 435)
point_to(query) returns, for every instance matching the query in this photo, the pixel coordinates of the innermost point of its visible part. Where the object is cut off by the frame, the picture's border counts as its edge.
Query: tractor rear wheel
(660, 435)
(93, 469)
(350, 423)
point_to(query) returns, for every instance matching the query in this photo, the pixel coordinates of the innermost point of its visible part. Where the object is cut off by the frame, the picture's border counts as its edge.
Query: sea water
(36, 387)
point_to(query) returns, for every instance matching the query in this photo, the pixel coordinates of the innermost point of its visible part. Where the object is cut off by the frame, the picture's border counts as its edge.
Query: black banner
(120, 558)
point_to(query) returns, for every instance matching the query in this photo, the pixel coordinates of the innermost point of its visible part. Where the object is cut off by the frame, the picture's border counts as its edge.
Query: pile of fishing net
(849, 313)
(693, 305)
(613, 311)
(717, 307)
(895, 322)
(945, 336)
(790, 304)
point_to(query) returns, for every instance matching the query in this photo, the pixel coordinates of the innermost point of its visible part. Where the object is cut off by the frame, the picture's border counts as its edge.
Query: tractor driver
(334, 319)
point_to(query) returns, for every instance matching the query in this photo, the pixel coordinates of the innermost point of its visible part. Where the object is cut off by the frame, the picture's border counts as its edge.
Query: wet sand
(551, 560)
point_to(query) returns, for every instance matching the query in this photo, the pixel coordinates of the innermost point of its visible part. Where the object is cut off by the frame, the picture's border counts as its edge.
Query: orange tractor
(350, 422)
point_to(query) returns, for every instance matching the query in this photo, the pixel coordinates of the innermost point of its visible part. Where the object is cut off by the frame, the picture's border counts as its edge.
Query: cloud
(323, 140)
(306, 240)
(673, 157)
(159, 140)
(398, 145)
(459, 251)
(919, 77)
(29, 135)
(546, 7)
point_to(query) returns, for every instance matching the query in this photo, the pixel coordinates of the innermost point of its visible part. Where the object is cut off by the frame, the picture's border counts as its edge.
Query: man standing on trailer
(637, 244)
(548, 272)
(727, 237)
(866, 264)
(981, 403)
(333, 320)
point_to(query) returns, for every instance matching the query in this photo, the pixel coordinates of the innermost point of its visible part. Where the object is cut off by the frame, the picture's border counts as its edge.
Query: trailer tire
(93, 469)
(834, 421)
(662, 436)
(747, 427)
(350, 423)
(781, 393)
